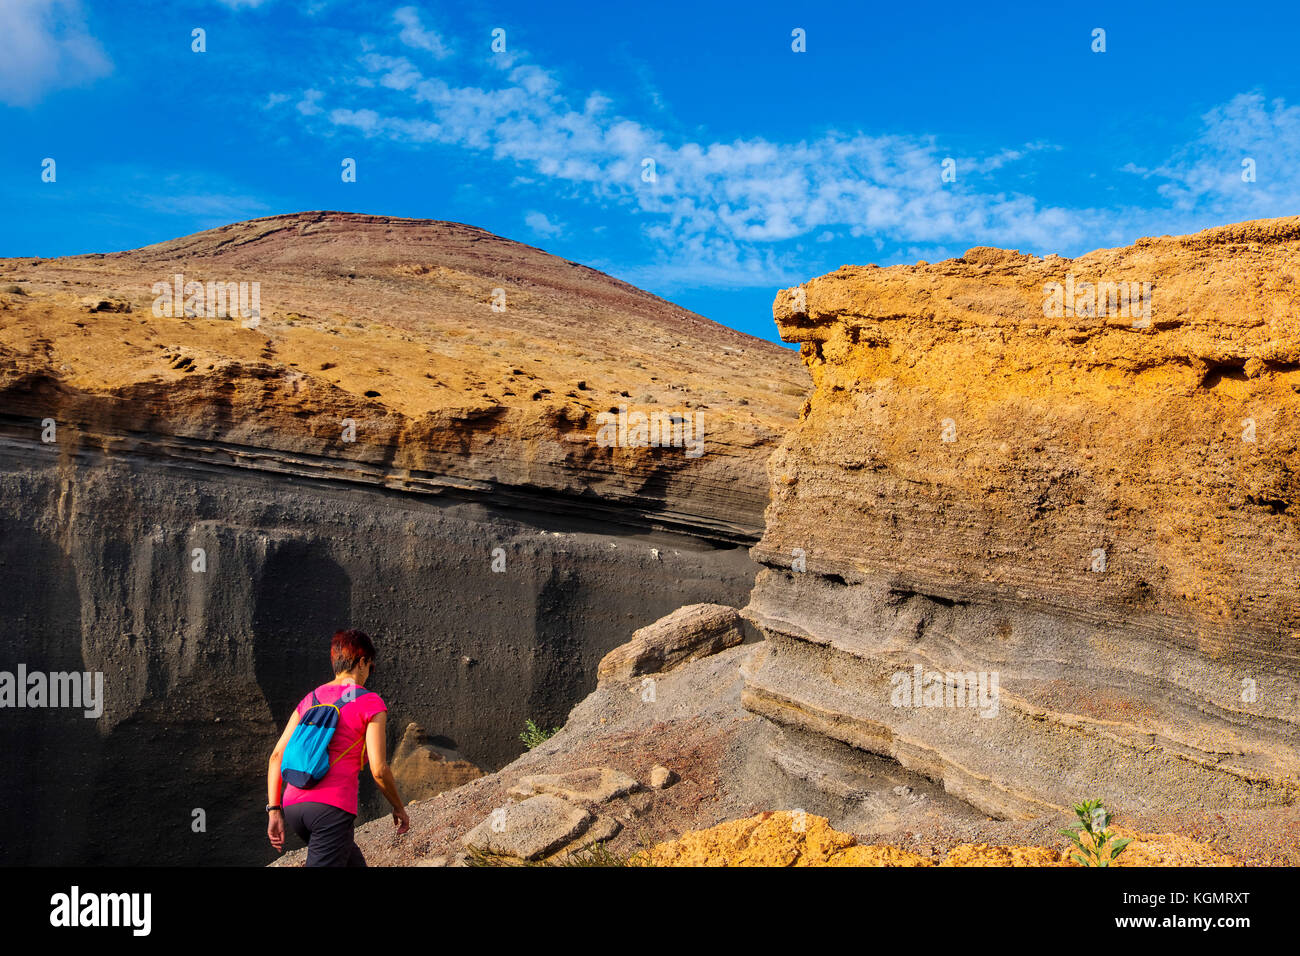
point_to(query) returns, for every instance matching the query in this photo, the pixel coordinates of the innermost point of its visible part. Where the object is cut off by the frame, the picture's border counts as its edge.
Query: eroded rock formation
(423, 767)
(690, 632)
(1093, 507)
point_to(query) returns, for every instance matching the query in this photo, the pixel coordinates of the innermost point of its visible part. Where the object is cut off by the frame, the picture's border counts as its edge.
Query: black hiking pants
(328, 832)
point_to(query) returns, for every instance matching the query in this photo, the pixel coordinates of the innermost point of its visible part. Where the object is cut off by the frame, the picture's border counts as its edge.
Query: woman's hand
(377, 745)
(275, 830)
(274, 784)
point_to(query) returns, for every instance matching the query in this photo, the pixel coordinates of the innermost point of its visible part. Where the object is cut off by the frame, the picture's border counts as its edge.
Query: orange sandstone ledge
(776, 839)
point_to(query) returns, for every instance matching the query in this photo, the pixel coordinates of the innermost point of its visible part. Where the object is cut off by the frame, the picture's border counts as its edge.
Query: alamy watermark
(78, 690)
(213, 300)
(77, 909)
(1129, 300)
(657, 429)
(921, 688)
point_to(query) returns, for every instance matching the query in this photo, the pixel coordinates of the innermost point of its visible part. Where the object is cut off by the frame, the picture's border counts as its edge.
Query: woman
(325, 813)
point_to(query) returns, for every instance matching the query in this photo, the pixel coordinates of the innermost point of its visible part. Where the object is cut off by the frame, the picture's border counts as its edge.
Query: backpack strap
(341, 703)
(361, 692)
(360, 740)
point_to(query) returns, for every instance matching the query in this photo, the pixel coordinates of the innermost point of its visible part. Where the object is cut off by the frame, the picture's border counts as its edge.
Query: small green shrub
(534, 735)
(16, 290)
(1093, 821)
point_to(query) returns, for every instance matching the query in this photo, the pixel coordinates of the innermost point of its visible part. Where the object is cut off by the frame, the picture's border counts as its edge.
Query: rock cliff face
(1036, 550)
(192, 504)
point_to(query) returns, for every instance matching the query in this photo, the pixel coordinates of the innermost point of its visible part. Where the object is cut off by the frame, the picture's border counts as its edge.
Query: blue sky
(770, 166)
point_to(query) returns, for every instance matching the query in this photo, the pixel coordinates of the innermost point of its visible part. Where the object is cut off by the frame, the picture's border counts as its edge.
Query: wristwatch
(273, 806)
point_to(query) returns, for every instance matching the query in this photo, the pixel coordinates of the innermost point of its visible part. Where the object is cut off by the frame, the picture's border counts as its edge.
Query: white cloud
(195, 195)
(415, 35)
(207, 206)
(45, 46)
(370, 123)
(709, 199)
(719, 212)
(542, 225)
(1205, 177)
(715, 262)
(309, 105)
(198, 198)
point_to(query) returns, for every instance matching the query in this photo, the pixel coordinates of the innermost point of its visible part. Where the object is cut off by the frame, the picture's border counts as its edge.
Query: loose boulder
(689, 633)
(530, 830)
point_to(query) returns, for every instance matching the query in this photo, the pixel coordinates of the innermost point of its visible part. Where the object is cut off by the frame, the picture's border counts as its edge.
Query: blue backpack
(306, 759)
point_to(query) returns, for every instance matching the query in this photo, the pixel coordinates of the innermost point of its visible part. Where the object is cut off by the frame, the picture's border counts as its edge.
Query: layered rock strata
(424, 767)
(417, 355)
(1040, 547)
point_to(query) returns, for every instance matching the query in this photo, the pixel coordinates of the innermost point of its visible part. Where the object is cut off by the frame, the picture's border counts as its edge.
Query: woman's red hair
(349, 648)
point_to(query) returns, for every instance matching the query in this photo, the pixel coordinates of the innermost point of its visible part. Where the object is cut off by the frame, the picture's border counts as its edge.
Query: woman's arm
(377, 745)
(275, 823)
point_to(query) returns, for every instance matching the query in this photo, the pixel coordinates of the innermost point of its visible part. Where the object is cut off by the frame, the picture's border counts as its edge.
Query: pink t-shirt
(338, 787)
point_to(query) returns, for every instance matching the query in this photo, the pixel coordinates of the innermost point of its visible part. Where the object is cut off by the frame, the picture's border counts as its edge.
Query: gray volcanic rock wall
(201, 669)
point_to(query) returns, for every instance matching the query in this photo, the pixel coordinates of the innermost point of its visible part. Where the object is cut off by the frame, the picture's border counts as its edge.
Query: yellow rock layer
(787, 838)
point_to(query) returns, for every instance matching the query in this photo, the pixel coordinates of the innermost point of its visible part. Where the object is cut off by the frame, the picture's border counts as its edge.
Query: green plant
(16, 290)
(1101, 847)
(534, 735)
